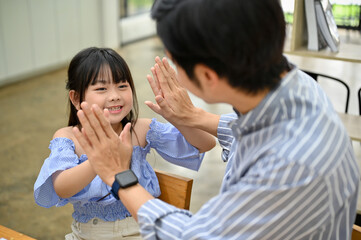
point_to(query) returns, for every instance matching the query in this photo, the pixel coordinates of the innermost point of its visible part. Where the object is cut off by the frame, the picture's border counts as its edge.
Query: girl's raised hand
(107, 152)
(173, 102)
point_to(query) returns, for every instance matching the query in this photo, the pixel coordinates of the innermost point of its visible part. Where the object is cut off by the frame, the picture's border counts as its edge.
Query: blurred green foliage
(346, 15)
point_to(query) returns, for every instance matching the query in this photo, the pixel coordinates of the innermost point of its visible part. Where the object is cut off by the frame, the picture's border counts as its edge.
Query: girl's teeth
(114, 108)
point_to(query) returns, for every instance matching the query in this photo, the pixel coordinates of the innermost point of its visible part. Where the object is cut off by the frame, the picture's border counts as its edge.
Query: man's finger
(91, 135)
(125, 136)
(106, 114)
(104, 122)
(93, 121)
(82, 139)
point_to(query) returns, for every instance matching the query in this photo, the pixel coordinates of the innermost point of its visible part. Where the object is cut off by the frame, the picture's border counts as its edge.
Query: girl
(100, 76)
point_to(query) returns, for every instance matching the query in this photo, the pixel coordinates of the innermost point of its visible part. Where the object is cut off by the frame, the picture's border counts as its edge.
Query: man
(291, 171)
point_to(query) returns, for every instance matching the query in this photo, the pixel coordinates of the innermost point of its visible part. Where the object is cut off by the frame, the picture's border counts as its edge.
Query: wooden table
(352, 124)
(10, 234)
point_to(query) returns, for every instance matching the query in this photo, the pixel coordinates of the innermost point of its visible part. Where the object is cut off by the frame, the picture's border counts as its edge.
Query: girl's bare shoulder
(140, 131)
(65, 132)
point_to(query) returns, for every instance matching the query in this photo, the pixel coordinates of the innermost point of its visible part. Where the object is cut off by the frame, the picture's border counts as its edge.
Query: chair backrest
(356, 233)
(175, 189)
(316, 75)
(359, 99)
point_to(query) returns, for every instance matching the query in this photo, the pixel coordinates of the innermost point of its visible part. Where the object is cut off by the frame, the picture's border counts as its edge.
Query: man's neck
(245, 102)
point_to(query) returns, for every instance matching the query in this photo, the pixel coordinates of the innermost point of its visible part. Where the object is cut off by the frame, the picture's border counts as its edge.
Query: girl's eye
(100, 89)
(123, 86)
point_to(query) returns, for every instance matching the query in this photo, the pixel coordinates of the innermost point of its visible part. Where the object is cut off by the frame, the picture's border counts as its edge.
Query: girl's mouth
(115, 109)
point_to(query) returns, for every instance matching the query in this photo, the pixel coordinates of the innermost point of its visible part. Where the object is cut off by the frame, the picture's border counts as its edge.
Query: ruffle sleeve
(172, 146)
(62, 157)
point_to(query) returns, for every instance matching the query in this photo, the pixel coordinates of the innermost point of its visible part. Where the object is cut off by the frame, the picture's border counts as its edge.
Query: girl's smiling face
(116, 97)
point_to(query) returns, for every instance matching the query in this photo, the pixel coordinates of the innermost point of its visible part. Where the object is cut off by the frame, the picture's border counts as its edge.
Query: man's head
(241, 40)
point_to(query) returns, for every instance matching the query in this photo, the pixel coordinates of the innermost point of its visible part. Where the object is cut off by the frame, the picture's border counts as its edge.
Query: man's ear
(75, 99)
(208, 78)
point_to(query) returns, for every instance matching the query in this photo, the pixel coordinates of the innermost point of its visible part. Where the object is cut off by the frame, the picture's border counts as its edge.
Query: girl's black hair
(83, 71)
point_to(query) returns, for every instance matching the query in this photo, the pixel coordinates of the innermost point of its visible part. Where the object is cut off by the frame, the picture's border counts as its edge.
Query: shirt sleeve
(245, 211)
(172, 146)
(224, 134)
(62, 157)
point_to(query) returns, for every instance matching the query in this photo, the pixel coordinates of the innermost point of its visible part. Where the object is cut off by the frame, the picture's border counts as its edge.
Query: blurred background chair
(316, 76)
(359, 101)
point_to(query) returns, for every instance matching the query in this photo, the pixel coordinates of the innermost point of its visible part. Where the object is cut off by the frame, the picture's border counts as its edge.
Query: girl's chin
(115, 122)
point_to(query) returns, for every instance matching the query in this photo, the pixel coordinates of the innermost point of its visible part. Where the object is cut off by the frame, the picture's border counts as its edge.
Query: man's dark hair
(241, 40)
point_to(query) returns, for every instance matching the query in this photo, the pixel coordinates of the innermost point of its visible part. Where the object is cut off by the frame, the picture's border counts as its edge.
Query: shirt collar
(263, 112)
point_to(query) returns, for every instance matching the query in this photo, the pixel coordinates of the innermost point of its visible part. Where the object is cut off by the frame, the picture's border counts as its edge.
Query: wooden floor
(32, 110)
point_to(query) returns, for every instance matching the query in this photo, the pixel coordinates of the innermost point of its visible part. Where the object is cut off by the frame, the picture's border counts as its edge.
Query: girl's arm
(198, 134)
(69, 182)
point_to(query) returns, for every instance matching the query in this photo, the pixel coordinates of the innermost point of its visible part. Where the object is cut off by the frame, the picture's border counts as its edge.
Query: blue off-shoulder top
(163, 137)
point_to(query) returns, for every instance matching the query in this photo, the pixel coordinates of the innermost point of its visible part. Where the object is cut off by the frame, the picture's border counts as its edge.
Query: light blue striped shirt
(291, 174)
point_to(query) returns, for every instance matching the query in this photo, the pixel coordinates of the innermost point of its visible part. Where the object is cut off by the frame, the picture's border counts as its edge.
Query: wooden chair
(8, 233)
(175, 189)
(356, 233)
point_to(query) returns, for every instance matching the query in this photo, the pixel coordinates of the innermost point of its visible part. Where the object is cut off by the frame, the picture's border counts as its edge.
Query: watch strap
(115, 189)
(123, 179)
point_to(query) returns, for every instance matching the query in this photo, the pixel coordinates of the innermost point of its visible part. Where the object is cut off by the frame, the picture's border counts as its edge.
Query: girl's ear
(74, 98)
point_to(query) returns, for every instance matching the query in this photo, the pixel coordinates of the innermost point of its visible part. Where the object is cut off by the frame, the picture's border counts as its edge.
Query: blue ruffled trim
(60, 143)
(112, 212)
(154, 133)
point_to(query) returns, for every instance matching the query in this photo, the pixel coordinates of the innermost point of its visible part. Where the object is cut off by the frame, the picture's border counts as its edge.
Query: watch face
(126, 179)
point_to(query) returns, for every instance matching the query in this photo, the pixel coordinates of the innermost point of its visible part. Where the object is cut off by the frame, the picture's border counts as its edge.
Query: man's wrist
(123, 180)
(193, 120)
(110, 180)
(110, 177)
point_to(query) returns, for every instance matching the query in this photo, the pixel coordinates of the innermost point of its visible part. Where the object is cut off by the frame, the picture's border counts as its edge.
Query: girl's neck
(118, 128)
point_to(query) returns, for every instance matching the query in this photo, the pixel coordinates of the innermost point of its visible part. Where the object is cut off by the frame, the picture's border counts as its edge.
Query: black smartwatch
(123, 180)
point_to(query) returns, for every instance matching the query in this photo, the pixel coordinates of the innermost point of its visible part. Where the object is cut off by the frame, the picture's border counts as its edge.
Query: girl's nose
(114, 96)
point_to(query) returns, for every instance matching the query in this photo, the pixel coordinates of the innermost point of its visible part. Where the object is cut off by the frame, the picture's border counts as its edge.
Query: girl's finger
(153, 85)
(152, 69)
(154, 107)
(163, 80)
(171, 71)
